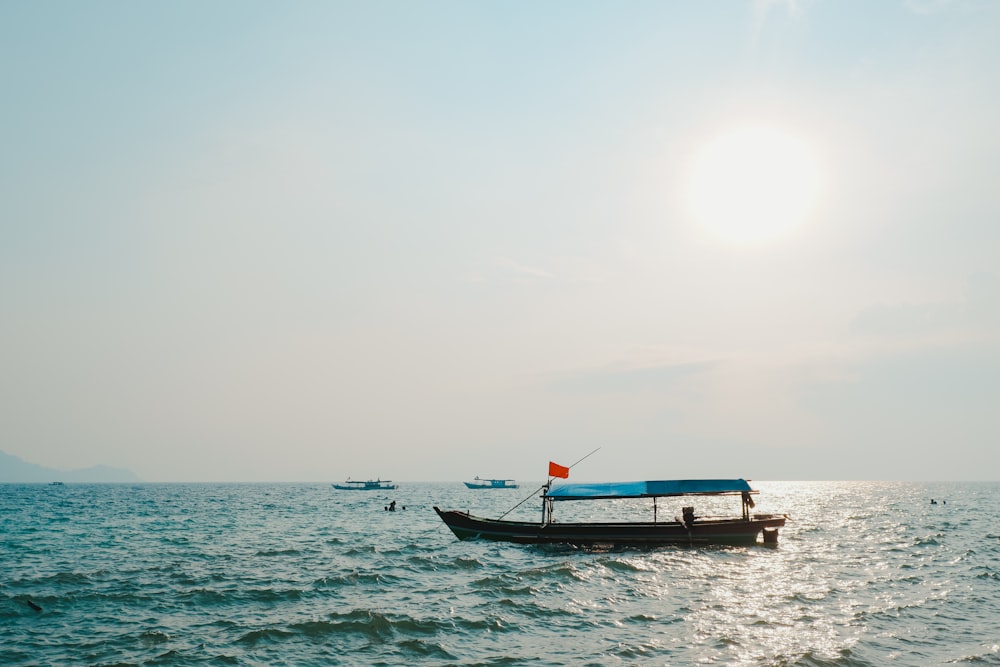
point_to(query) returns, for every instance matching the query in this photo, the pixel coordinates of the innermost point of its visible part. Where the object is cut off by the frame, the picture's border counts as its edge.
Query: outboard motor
(688, 513)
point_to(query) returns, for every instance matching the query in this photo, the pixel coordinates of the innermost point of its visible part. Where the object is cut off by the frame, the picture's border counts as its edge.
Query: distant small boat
(491, 483)
(689, 529)
(56, 483)
(370, 485)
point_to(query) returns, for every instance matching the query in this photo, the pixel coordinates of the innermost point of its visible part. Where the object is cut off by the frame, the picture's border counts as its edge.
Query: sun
(753, 184)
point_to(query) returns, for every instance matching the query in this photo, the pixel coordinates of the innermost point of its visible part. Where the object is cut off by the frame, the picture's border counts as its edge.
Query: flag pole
(578, 461)
(547, 503)
(545, 486)
(587, 456)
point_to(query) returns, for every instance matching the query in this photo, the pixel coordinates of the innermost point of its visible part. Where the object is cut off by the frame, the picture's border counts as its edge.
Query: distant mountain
(13, 469)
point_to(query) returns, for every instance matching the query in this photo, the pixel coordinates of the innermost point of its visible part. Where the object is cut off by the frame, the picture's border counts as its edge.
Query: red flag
(556, 470)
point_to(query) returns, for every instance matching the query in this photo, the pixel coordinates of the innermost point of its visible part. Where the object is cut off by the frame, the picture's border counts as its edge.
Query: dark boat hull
(734, 531)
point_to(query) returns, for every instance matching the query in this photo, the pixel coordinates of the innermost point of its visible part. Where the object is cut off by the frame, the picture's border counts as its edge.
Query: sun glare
(753, 184)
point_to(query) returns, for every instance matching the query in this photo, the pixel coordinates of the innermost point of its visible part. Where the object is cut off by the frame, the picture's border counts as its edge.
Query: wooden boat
(370, 485)
(688, 529)
(491, 483)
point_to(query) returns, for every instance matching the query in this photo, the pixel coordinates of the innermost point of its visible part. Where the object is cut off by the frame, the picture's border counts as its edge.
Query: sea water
(865, 573)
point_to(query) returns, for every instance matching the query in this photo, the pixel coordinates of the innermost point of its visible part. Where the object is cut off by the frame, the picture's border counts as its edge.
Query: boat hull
(735, 531)
(382, 487)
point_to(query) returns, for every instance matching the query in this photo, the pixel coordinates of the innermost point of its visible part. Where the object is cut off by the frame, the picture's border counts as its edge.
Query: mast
(546, 503)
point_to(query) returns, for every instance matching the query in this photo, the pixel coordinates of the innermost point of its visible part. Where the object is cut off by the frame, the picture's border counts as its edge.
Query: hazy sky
(430, 240)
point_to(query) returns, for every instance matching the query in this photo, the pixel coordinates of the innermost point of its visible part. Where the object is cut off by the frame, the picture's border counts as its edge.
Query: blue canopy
(667, 487)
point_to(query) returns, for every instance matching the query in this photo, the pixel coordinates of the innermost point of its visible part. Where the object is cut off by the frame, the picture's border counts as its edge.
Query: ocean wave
(354, 578)
(277, 552)
(153, 637)
(271, 595)
(75, 578)
(433, 563)
(465, 563)
(361, 551)
(203, 597)
(503, 581)
(416, 648)
(642, 619)
(264, 636)
(561, 572)
(810, 659)
(371, 624)
(625, 565)
(989, 655)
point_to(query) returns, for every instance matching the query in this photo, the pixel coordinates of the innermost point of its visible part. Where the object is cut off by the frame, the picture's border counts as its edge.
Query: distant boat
(370, 485)
(56, 483)
(491, 483)
(688, 529)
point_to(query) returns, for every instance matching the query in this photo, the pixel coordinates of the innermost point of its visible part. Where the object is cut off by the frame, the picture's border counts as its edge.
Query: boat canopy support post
(654, 509)
(747, 505)
(546, 504)
(546, 510)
